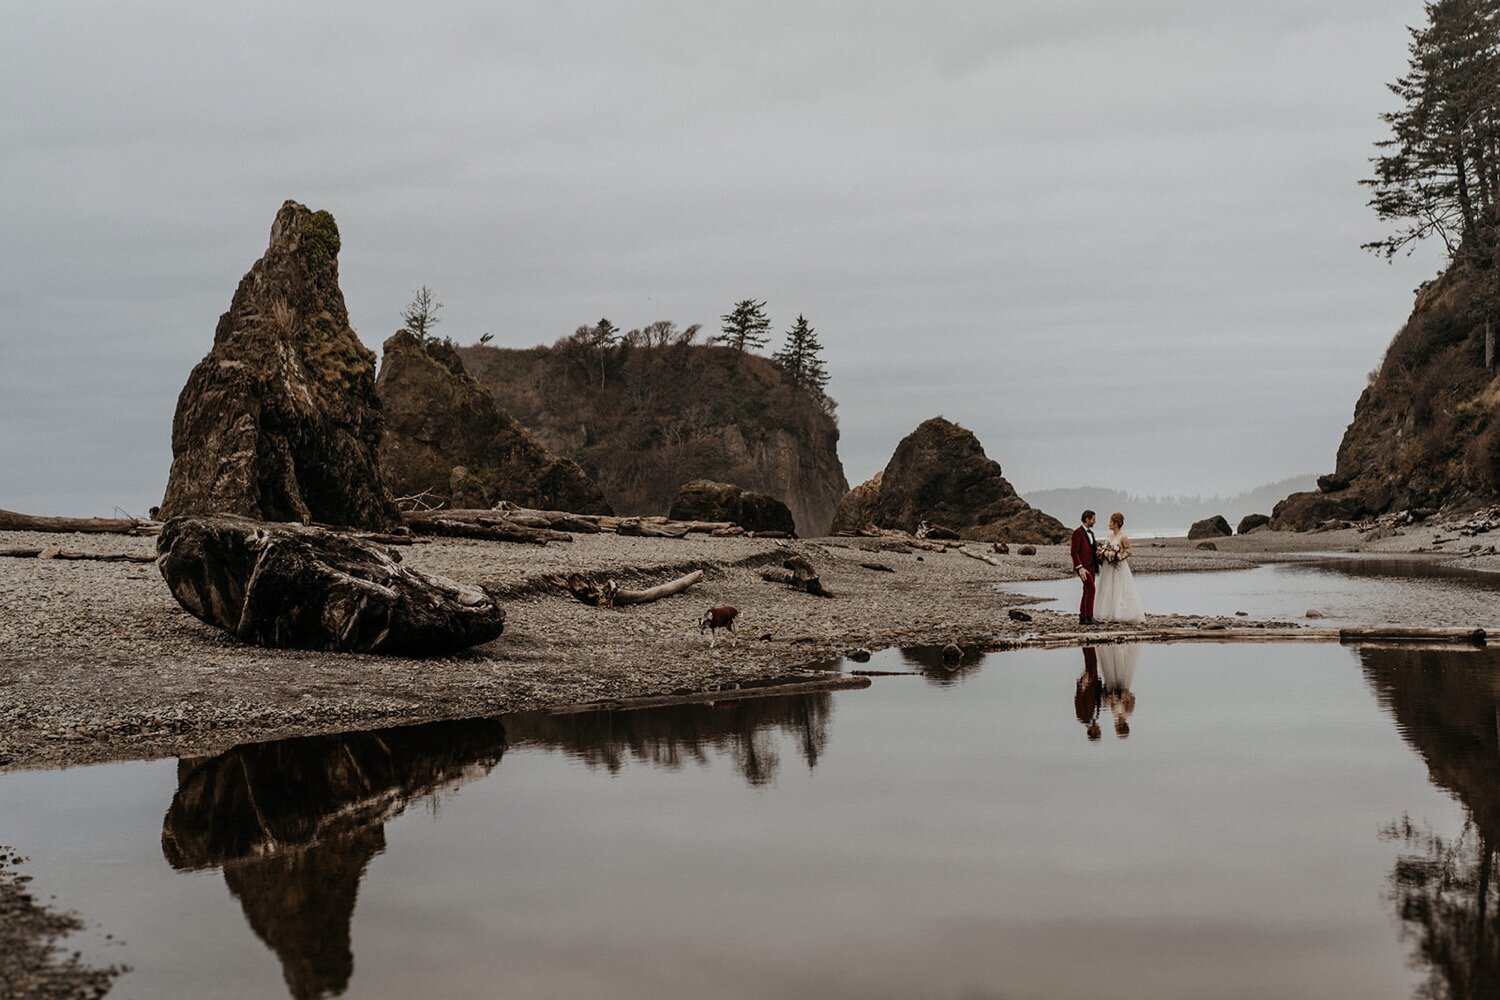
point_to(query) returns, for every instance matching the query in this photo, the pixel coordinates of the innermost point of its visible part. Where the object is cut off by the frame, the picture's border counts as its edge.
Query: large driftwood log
(608, 594)
(558, 520)
(980, 556)
(12, 521)
(1396, 633)
(300, 587)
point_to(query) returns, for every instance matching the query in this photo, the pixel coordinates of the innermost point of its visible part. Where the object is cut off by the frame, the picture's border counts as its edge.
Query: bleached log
(133, 557)
(980, 556)
(650, 528)
(12, 521)
(608, 593)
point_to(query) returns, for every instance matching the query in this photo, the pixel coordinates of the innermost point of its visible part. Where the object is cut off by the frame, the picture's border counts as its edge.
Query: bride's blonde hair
(1117, 520)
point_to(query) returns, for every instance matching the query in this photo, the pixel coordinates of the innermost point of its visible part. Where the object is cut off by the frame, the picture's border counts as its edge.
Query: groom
(1085, 565)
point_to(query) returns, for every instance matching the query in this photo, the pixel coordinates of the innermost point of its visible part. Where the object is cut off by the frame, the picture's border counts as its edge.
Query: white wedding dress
(1114, 599)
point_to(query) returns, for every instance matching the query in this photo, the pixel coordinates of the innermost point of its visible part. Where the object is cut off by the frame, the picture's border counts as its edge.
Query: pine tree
(745, 326)
(1439, 172)
(799, 358)
(420, 314)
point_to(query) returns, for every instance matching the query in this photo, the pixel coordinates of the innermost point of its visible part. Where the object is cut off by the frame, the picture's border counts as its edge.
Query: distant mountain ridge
(1164, 513)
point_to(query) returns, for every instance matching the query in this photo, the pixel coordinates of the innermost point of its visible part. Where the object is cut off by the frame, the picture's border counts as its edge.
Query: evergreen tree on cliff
(799, 358)
(1439, 172)
(745, 326)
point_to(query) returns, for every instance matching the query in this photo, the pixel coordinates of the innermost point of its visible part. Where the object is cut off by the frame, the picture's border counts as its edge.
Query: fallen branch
(608, 593)
(13, 521)
(980, 556)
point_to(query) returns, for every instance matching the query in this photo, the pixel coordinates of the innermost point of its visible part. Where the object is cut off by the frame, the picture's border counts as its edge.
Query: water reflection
(1444, 889)
(1107, 679)
(295, 823)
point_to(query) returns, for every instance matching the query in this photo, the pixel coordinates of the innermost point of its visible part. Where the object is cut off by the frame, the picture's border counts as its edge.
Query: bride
(1116, 600)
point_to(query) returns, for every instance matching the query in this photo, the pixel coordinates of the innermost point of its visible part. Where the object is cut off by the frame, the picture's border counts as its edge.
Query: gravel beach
(98, 662)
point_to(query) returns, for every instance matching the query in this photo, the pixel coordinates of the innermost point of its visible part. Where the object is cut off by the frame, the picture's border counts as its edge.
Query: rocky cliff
(940, 473)
(1426, 431)
(643, 420)
(280, 421)
(445, 435)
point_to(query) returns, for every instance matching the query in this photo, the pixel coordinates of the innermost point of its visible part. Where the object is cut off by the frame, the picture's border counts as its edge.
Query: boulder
(290, 586)
(280, 420)
(1250, 522)
(446, 436)
(859, 508)
(706, 500)
(940, 473)
(1210, 527)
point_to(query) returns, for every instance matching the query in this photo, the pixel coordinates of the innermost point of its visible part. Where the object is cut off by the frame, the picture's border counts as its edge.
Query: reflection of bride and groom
(1108, 672)
(1104, 568)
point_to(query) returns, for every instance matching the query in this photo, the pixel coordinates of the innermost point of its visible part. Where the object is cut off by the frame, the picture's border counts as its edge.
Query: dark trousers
(1086, 606)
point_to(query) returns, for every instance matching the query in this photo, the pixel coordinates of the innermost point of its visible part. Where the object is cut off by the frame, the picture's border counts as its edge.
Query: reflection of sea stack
(294, 824)
(301, 904)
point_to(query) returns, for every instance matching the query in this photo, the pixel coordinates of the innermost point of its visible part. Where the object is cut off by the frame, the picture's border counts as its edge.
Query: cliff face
(1426, 431)
(280, 421)
(644, 420)
(444, 434)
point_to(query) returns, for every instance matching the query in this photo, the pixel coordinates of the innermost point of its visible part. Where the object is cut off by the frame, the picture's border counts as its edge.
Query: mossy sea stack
(445, 435)
(280, 421)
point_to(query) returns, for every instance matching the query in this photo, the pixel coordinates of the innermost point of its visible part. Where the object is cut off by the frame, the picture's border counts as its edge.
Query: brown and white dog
(718, 618)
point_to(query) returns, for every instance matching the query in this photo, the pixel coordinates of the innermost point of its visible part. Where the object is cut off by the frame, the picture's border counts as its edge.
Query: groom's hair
(1086, 515)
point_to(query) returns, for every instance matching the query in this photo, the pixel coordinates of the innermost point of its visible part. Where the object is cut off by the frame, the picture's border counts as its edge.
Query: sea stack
(446, 436)
(280, 421)
(940, 474)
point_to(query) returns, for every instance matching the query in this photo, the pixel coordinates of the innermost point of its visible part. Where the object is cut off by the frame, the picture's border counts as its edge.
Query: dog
(718, 618)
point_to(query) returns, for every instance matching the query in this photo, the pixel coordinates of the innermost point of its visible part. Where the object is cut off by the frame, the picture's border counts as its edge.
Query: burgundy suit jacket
(1083, 552)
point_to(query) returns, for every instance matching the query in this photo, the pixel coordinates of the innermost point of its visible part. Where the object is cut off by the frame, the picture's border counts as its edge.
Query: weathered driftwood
(480, 524)
(877, 567)
(650, 528)
(558, 520)
(56, 553)
(300, 587)
(608, 593)
(1394, 633)
(799, 574)
(980, 556)
(12, 521)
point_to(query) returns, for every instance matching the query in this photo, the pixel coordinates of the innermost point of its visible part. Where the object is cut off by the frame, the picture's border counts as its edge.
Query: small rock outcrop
(1210, 527)
(940, 473)
(706, 500)
(1250, 522)
(1426, 430)
(280, 421)
(445, 435)
(293, 587)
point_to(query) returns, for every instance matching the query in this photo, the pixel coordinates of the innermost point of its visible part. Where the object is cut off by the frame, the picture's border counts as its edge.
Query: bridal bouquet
(1109, 552)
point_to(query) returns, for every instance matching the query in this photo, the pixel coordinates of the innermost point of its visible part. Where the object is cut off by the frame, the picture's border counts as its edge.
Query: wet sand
(98, 662)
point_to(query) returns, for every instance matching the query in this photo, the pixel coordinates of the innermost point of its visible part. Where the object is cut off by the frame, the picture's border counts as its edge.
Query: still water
(1347, 591)
(1159, 821)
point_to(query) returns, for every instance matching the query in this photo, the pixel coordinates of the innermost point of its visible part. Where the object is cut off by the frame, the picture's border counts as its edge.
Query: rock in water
(940, 473)
(1210, 527)
(445, 434)
(280, 420)
(288, 586)
(705, 500)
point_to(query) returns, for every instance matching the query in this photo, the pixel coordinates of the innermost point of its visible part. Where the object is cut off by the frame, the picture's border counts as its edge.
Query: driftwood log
(298, 587)
(980, 556)
(609, 594)
(799, 574)
(1396, 633)
(486, 525)
(648, 528)
(557, 520)
(55, 553)
(12, 521)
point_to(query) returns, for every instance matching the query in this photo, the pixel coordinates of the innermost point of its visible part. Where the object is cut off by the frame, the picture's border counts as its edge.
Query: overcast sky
(1117, 239)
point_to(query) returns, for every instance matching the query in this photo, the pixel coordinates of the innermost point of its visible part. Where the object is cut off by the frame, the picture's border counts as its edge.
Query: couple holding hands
(1104, 568)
